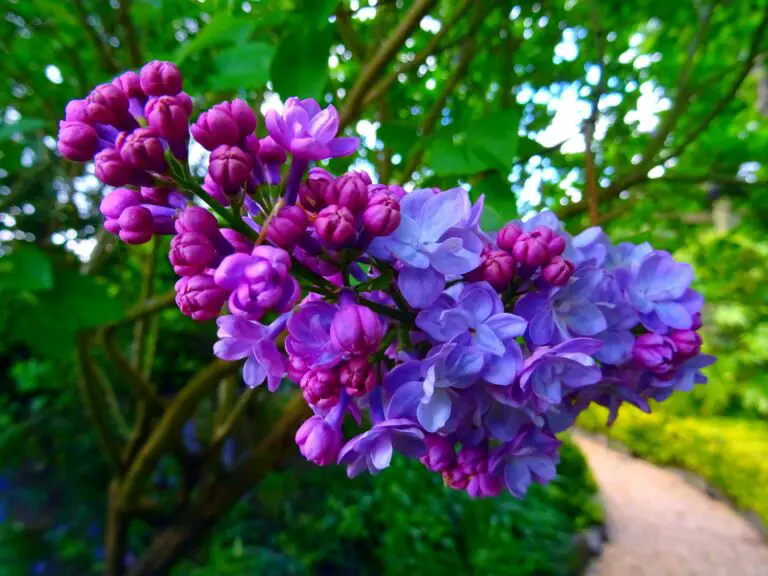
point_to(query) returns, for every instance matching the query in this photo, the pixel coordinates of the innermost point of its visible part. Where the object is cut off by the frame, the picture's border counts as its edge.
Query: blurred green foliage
(315, 521)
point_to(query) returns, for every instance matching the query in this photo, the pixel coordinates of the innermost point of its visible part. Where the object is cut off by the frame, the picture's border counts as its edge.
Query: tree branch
(381, 58)
(166, 430)
(91, 396)
(102, 49)
(124, 18)
(141, 329)
(383, 85)
(149, 306)
(590, 169)
(348, 35)
(140, 384)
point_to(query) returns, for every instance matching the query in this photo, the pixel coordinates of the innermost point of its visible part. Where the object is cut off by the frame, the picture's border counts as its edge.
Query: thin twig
(102, 49)
(124, 18)
(149, 306)
(140, 384)
(348, 35)
(373, 68)
(141, 329)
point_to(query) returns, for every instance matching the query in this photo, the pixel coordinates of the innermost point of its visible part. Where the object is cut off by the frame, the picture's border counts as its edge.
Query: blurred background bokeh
(647, 117)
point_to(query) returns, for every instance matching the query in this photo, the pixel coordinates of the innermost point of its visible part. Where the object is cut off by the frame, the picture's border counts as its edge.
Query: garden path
(660, 525)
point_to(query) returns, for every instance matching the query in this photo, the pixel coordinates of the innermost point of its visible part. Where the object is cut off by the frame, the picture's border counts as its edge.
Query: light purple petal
(343, 146)
(231, 349)
(507, 326)
(405, 400)
(435, 413)
(309, 149)
(441, 212)
(254, 373)
(324, 125)
(278, 129)
(480, 301)
(583, 318)
(420, 288)
(487, 341)
(517, 478)
(503, 370)
(541, 328)
(232, 270)
(381, 453)
(409, 443)
(674, 315)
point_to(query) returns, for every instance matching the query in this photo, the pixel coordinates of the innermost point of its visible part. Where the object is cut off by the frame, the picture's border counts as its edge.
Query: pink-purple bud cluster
(470, 351)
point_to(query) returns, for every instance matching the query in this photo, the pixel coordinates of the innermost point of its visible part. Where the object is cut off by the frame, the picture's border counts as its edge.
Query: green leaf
(23, 126)
(300, 66)
(500, 202)
(222, 29)
(26, 268)
(399, 136)
(317, 11)
(244, 66)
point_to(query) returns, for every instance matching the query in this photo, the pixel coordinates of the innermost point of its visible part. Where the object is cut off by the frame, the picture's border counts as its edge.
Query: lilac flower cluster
(469, 349)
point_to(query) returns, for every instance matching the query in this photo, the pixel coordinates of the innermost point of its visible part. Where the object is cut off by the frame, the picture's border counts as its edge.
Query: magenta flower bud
(396, 192)
(529, 251)
(115, 202)
(497, 268)
(107, 104)
(319, 187)
(142, 149)
(251, 145)
(197, 219)
(226, 123)
(129, 84)
(287, 226)
(239, 242)
(185, 101)
(321, 388)
(136, 225)
(112, 170)
(159, 78)
(688, 342)
(199, 297)
(270, 152)
(191, 253)
(555, 244)
(558, 271)
(351, 191)
(655, 352)
(358, 376)
(77, 141)
(296, 368)
(382, 216)
(169, 117)
(318, 441)
(335, 225)
(77, 111)
(440, 455)
(356, 330)
(230, 168)
(508, 235)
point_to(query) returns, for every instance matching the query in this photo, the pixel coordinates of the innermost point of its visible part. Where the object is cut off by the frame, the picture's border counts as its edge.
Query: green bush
(730, 454)
(316, 521)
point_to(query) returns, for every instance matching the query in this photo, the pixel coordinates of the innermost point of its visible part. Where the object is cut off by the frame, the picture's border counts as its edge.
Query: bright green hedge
(313, 521)
(730, 454)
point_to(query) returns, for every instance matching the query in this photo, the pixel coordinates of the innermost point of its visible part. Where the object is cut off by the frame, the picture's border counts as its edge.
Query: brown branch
(371, 70)
(178, 412)
(141, 329)
(149, 306)
(224, 429)
(144, 389)
(126, 23)
(115, 533)
(91, 395)
(191, 529)
(348, 35)
(590, 169)
(102, 49)
(429, 122)
(433, 47)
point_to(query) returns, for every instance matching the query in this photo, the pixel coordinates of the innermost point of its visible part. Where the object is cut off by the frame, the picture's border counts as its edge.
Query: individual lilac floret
(112, 170)
(655, 352)
(350, 191)
(688, 342)
(308, 132)
(497, 268)
(169, 116)
(472, 473)
(372, 450)
(550, 373)
(687, 375)
(225, 124)
(160, 78)
(358, 376)
(142, 149)
(230, 168)
(440, 455)
(321, 388)
(77, 141)
(382, 216)
(287, 226)
(429, 244)
(356, 330)
(558, 271)
(259, 282)
(393, 191)
(317, 190)
(107, 104)
(657, 287)
(199, 297)
(532, 457)
(479, 310)
(134, 220)
(508, 235)
(335, 226)
(240, 338)
(319, 441)
(560, 313)
(309, 335)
